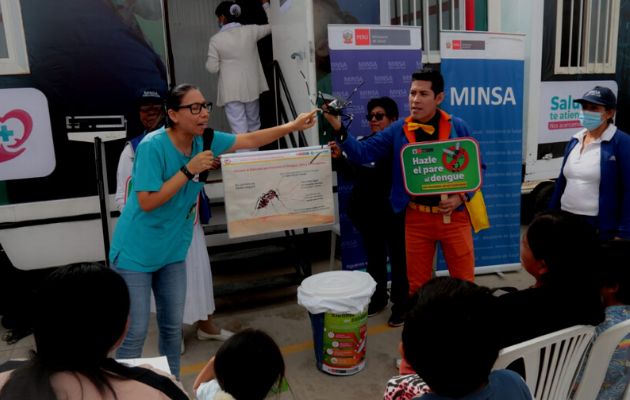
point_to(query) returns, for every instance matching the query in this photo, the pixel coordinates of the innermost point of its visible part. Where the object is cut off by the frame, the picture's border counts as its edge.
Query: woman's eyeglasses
(378, 116)
(195, 108)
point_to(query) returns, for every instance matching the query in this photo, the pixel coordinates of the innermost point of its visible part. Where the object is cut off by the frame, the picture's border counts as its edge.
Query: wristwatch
(186, 172)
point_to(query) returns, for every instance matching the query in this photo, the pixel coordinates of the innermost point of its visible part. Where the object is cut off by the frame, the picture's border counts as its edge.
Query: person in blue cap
(594, 181)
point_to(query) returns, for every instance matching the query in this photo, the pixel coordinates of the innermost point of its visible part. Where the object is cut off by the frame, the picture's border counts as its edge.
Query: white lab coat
(233, 53)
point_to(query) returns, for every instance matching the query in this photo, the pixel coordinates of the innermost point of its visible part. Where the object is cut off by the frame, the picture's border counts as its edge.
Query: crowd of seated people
(577, 281)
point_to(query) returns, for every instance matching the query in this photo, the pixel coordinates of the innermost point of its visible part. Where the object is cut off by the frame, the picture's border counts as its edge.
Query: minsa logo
(151, 93)
(594, 93)
(479, 96)
(347, 37)
(457, 44)
(395, 65)
(339, 66)
(352, 80)
(362, 37)
(15, 129)
(383, 79)
(367, 65)
(398, 92)
(368, 94)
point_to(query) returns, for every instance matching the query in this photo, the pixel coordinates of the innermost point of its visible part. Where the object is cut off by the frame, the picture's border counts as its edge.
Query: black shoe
(375, 308)
(396, 320)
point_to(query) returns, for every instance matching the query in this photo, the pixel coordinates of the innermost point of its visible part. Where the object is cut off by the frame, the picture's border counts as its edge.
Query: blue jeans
(169, 289)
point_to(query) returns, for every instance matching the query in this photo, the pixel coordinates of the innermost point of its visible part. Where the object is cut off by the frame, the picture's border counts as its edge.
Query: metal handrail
(281, 114)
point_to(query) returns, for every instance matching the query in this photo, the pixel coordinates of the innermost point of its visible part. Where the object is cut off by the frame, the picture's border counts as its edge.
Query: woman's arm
(212, 63)
(264, 30)
(151, 200)
(265, 136)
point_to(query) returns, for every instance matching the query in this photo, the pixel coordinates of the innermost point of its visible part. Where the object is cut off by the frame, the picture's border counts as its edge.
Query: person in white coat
(233, 54)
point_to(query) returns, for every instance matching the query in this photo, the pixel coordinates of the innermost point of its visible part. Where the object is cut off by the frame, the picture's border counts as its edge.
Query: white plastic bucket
(337, 304)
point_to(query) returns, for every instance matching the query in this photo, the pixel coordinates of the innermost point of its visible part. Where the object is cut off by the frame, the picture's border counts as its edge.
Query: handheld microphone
(208, 137)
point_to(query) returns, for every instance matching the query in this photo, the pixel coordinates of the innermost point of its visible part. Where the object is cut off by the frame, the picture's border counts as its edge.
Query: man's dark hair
(450, 337)
(387, 103)
(613, 265)
(430, 75)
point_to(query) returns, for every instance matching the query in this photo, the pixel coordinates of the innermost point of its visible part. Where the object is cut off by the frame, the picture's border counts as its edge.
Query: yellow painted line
(286, 350)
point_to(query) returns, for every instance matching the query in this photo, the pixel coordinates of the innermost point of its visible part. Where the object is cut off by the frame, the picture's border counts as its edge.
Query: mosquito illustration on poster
(274, 198)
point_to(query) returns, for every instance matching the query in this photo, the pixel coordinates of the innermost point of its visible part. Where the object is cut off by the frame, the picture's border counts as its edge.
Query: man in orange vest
(424, 215)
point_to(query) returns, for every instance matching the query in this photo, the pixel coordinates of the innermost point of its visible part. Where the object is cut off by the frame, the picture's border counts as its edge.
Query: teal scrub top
(145, 241)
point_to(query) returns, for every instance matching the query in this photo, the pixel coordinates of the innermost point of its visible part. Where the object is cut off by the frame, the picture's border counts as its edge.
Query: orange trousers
(422, 232)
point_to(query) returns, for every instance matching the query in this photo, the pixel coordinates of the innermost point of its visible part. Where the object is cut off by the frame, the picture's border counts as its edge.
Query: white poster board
(273, 191)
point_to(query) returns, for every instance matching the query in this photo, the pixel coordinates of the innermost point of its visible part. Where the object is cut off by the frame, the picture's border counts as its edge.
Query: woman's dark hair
(174, 98)
(80, 313)
(387, 103)
(567, 245)
(441, 312)
(611, 120)
(251, 355)
(229, 9)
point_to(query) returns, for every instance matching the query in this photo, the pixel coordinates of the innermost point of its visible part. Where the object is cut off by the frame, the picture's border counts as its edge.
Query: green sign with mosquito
(441, 167)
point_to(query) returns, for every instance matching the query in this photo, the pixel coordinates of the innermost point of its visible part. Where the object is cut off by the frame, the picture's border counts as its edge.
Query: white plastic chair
(598, 360)
(550, 360)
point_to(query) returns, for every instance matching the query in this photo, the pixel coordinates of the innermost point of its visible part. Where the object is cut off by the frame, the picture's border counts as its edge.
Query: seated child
(450, 340)
(246, 367)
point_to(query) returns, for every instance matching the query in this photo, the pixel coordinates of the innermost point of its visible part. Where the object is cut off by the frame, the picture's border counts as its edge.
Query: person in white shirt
(594, 181)
(233, 54)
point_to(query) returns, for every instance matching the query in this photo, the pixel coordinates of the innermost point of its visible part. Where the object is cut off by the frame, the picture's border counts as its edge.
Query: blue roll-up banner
(483, 75)
(380, 60)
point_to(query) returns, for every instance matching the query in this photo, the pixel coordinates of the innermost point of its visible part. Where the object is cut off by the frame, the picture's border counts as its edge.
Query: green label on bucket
(345, 337)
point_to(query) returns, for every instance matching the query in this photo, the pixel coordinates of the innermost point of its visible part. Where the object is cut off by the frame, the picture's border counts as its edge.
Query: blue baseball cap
(599, 95)
(150, 96)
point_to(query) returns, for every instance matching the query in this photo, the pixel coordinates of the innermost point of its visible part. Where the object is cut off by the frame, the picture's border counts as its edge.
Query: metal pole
(101, 183)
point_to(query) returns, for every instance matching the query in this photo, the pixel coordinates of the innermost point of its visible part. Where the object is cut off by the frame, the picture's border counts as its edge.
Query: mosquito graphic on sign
(441, 167)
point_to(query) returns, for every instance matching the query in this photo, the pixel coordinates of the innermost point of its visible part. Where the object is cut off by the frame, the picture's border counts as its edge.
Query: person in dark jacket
(369, 209)
(558, 250)
(594, 181)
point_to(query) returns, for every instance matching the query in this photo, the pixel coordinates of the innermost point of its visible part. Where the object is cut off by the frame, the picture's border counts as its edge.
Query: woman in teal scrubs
(154, 231)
